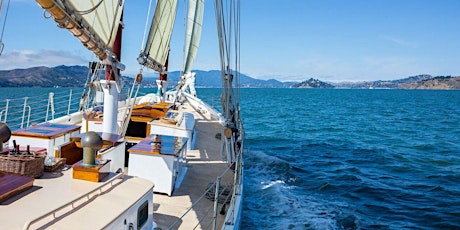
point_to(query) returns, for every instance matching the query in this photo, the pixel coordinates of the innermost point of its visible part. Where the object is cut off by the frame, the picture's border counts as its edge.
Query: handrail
(29, 109)
(1, 114)
(212, 185)
(6, 109)
(24, 111)
(71, 203)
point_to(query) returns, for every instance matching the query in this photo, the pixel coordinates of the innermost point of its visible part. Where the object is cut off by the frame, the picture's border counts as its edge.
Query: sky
(287, 40)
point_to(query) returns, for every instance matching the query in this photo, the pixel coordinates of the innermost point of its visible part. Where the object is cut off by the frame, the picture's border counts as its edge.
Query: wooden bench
(11, 184)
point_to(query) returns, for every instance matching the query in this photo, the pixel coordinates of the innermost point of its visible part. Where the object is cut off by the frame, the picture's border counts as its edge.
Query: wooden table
(46, 135)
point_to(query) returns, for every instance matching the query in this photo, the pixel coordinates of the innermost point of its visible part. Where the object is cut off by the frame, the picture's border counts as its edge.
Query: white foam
(272, 183)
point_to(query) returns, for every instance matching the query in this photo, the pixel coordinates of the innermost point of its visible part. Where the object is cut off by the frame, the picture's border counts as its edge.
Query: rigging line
(83, 12)
(224, 38)
(220, 31)
(186, 9)
(237, 47)
(230, 26)
(6, 15)
(146, 24)
(1, 8)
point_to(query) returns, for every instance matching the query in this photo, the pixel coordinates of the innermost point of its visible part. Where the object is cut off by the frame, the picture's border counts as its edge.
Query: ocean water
(351, 159)
(344, 159)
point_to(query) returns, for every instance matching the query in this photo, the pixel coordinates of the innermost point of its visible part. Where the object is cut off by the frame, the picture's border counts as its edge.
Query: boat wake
(275, 198)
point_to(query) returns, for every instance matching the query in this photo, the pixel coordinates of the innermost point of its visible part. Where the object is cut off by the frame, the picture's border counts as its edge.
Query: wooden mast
(116, 49)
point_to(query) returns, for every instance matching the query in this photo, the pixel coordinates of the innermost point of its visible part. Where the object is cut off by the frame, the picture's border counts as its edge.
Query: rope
(6, 16)
(83, 12)
(146, 24)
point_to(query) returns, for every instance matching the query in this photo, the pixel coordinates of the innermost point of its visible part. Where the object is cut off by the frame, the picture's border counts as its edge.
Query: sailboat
(158, 161)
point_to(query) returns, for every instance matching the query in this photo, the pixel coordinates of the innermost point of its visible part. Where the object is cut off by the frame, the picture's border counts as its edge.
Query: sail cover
(156, 49)
(194, 24)
(94, 22)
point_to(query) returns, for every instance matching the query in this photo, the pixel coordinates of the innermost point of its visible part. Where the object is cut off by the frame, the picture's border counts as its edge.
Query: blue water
(347, 159)
(351, 159)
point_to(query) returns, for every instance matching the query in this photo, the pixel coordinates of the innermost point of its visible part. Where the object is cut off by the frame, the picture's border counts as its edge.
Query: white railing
(25, 111)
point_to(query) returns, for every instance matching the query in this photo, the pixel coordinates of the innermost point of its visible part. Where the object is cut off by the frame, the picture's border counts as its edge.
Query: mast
(162, 81)
(111, 86)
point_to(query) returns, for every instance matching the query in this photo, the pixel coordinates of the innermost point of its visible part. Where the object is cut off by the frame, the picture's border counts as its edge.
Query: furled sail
(194, 24)
(94, 22)
(156, 49)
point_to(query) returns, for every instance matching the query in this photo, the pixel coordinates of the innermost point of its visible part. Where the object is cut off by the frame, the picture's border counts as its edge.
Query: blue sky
(333, 40)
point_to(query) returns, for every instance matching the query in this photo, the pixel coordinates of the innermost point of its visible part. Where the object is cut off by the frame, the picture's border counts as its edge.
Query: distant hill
(313, 83)
(414, 82)
(66, 76)
(440, 82)
(75, 76)
(212, 79)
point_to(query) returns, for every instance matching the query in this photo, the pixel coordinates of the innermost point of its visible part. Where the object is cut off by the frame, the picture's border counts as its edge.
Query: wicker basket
(22, 164)
(59, 163)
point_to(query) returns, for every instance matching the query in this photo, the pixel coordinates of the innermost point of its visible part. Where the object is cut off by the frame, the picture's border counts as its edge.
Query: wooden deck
(204, 165)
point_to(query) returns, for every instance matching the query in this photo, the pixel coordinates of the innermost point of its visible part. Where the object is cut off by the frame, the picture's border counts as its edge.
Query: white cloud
(30, 58)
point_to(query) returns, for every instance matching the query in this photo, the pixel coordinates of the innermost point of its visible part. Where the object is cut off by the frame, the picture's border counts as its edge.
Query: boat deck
(204, 165)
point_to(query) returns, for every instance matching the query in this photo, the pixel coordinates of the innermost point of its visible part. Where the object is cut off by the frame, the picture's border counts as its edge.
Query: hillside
(313, 83)
(75, 76)
(435, 83)
(66, 76)
(212, 79)
(414, 82)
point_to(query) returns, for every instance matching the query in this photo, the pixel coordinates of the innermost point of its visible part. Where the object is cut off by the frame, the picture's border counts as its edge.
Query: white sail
(102, 16)
(194, 24)
(94, 22)
(156, 49)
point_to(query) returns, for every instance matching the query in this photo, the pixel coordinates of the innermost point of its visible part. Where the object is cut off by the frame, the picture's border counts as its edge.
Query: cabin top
(54, 190)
